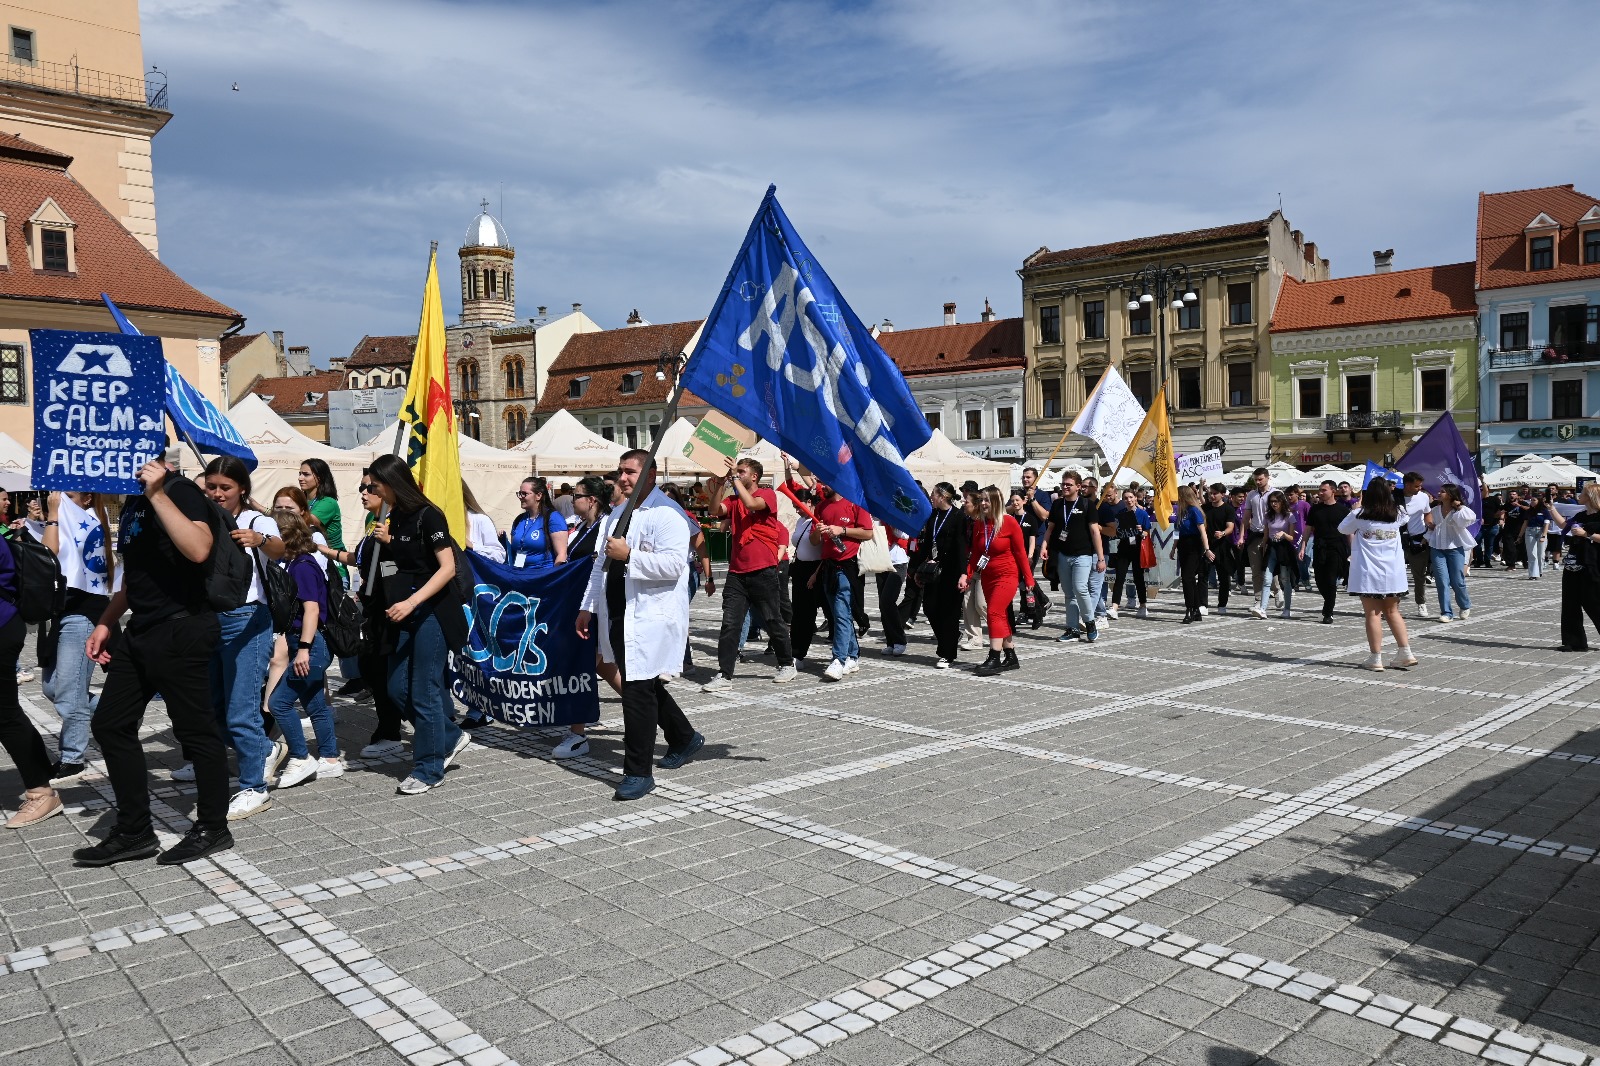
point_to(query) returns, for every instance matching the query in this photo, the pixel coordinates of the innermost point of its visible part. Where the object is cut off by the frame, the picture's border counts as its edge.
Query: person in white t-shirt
(481, 537)
(1378, 569)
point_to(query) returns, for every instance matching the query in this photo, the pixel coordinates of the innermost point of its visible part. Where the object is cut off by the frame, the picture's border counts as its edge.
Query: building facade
(1218, 367)
(608, 380)
(1538, 291)
(1362, 366)
(73, 78)
(967, 378)
(301, 400)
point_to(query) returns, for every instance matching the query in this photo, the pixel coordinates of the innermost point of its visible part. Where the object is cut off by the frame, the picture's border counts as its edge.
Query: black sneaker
(676, 757)
(1069, 635)
(66, 772)
(355, 688)
(473, 723)
(197, 843)
(118, 847)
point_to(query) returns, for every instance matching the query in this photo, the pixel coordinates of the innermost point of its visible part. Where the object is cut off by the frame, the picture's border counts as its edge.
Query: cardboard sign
(99, 409)
(1201, 466)
(716, 439)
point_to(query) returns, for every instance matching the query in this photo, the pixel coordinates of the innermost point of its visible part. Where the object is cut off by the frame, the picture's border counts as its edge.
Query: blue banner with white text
(525, 664)
(97, 410)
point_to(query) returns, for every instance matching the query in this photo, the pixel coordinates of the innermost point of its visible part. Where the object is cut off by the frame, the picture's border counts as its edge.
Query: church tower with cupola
(488, 273)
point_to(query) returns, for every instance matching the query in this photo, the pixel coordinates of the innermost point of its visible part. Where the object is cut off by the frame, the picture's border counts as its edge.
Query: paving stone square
(1215, 844)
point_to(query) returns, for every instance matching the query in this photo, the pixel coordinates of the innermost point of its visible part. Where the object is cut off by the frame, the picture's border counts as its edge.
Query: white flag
(1111, 417)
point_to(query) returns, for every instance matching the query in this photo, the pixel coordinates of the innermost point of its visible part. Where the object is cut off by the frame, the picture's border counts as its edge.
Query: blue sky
(922, 149)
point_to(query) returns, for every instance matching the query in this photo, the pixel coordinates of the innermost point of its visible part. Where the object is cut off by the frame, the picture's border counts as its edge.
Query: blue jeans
(418, 687)
(1488, 540)
(1533, 550)
(309, 692)
(846, 645)
(1097, 589)
(1286, 581)
(1077, 576)
(67, 686)
(1450, 572)
(238, 670)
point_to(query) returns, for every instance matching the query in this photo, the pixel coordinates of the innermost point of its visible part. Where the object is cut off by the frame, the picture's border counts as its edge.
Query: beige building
(73, 78)
(1077, 322)
(248, 356)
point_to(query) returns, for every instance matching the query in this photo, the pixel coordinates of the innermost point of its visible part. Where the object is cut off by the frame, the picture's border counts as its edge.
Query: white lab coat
(656, 623)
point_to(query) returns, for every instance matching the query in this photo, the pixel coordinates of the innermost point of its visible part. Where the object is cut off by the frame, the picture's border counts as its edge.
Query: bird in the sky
(235, 86)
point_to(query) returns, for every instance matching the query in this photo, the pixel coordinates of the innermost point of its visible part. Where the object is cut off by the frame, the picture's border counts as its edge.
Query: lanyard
(990, 528)
(938, 524)
(573, 542)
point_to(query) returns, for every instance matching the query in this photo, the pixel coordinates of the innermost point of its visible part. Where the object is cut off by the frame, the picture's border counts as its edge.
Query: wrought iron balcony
(1363, 420)
(149, 91)
(1543, 355)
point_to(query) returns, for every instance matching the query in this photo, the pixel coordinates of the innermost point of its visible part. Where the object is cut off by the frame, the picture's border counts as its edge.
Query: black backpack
(41, 586)
(342, 626)
(282, 597)
(228, 570)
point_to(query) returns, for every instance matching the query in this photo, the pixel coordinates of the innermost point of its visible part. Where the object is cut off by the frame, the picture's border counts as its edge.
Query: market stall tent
(563, 445)
(493, 473)
(1533, 470)
(280, 449)
(16, 465)
(941, 459)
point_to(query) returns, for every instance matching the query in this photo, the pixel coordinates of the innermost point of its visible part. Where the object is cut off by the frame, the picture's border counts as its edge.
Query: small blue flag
(786, 356)
(197, 418)
(1376, 471)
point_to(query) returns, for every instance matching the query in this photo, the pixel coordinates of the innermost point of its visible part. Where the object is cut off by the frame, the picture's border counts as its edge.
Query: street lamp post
(1162, 283)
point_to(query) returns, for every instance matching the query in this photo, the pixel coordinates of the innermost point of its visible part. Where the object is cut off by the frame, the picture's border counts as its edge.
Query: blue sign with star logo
(98, 411)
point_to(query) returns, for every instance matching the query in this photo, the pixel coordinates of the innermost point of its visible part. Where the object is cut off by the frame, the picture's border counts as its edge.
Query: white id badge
(983, 561)
(520, 560)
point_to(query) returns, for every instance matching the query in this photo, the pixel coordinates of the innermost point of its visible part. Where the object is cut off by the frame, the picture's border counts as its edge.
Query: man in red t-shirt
(840, 528)
(754, 579)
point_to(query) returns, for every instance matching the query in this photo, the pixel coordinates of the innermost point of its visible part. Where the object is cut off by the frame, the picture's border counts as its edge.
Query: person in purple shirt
(1283, 534)
(1302, 507)
(17, 735)
(308, 663)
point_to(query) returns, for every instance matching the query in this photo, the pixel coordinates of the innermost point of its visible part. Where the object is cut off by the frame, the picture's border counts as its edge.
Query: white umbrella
(1571, 470)
(1325, 472)
(1530, 470)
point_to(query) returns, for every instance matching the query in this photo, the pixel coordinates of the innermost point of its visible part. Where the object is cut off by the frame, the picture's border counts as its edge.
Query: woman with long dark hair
(539, 535)
(1193, 551)
(937, 565)
(78, 531)
(1133, 525)
(481, 536)
(305, 681)
(591, 500)
(1283, 532)
(1378, 571)
(997, 559)
(425, 615)
(322, 499)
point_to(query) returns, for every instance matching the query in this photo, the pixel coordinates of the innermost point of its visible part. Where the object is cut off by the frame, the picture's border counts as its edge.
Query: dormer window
(630, 382)
(50, 239)
(1589, 235)
(577, 387)
(1541, 236)
(53, 249)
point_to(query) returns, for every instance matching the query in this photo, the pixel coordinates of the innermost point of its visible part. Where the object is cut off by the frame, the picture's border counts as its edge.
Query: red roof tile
(232, 346)
(108, 258)
(382, 351)
(1502, 218)
(952, 349)
(1139, 245)
(1399, 296)
(604, 358)
(287, 396)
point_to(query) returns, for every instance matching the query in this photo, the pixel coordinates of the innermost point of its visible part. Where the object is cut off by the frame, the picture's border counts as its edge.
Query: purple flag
(1442, 458)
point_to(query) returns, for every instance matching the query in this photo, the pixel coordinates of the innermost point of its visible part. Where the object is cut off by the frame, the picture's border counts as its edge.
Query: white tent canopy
(1326, 472)
(563, 445)
(492, 473)
(1537, 471)
(670, 455)
(941, 459)
(1571, 470)
(16, 465)
(280, 449)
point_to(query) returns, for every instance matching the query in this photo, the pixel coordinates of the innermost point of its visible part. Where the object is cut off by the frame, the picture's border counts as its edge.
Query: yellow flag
(434, 454)
(1150, 456)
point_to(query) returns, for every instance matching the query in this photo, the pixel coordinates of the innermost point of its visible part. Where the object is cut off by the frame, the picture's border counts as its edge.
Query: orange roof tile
(966, 346)
(382, 351)
(108, 258)
(1502, 218)
(1140, 245)
(287, 396)
(1398, 296)
(232, 346)
(604, 358)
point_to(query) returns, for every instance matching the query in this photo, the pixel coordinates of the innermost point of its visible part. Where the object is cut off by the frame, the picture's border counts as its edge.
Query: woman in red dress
(999, 558)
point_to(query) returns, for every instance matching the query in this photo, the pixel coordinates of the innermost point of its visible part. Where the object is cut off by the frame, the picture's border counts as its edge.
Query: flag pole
(1062, 442)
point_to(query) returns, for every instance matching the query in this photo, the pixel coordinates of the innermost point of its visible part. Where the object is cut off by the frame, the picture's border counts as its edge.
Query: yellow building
(73, 79)
(1218, 355)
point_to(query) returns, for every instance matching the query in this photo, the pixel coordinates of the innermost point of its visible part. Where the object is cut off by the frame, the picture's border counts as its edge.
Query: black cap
(969, 486)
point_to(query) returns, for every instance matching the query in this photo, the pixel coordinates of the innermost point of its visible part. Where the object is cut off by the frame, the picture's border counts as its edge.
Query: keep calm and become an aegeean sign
(98, 413)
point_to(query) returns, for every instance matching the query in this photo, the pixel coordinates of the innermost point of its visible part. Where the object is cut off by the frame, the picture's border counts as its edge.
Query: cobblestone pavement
(1211, 844)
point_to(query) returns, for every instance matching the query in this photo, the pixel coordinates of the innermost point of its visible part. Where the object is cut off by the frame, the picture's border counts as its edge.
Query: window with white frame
(974, 424)
(1308, 397)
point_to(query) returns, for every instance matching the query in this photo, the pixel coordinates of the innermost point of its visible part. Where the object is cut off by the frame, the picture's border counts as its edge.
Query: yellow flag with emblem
(1150, 456)
(434, 452)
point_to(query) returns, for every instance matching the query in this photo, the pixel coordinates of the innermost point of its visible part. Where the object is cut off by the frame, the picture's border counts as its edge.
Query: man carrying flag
(434, 454)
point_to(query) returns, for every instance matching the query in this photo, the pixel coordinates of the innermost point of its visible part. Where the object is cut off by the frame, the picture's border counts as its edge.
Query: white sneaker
(275, 759)
(184, 772)
(784, 675)
(461, 746)
(1403, 660)
(966, 645)
(1466, 614)
(1256, 610)
(852, 666)
(412, 787)
(1144, 612)
(1375, 661)
(1443, 618)
(572, 745)
(24, 676)
(1203, 611)
(1422, 610)
(297, 771)
(718, 683)
(244, 804)
(941, 664)
(333, 767)
(834, 671)
(897, 649)
(1111, 612)
(383, 749)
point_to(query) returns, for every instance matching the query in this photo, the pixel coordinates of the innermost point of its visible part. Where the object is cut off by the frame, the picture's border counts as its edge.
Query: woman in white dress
(1378, 570)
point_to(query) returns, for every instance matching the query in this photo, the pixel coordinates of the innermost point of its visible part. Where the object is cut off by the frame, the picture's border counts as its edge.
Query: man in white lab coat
(640, 608)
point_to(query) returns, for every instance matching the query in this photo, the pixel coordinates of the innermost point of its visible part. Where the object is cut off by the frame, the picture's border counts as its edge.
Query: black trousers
(1328, 564)
(1125, 561)
(942, 602)
(1420, 563)
(17, 734)
(646, 707)
(1191, 567)
(910, 602)
(894, 626)
(375, 668)
(763, 590)
(174, 659)
(1223, 565)
(1580, 596)
(806, 599)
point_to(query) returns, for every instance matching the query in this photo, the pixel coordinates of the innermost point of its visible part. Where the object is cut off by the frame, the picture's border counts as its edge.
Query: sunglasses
(286, 510)
(368, 489)
(577, 497)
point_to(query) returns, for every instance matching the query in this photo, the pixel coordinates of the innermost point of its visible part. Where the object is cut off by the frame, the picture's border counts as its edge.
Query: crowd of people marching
(152, 610)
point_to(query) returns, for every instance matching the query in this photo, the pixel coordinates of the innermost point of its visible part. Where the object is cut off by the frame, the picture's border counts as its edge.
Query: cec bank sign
(98, 410)
(1560, 431)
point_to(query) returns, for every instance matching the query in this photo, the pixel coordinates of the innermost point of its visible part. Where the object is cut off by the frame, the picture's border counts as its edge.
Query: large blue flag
(783, 353)
(1442, 458)
(196, 417)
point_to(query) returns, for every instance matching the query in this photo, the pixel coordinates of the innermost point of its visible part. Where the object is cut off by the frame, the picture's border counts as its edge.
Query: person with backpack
(17, 734)
(308, 666)
(176, 576)
(244, 647)
(417, 564)
(75, 531)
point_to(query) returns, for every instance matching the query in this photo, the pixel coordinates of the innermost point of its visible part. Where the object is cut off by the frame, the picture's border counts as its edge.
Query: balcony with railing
(1541, 354)
(149, 91)
(1378, 423)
